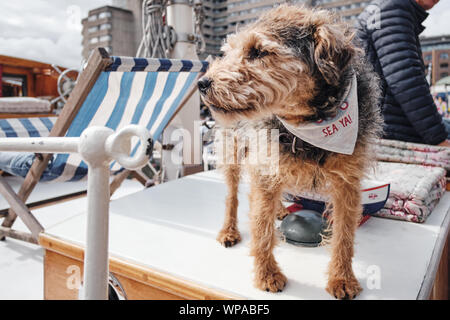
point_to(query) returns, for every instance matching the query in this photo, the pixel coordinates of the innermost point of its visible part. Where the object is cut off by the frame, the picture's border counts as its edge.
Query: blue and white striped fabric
(157, 65)
(26, 127)
(140, 91)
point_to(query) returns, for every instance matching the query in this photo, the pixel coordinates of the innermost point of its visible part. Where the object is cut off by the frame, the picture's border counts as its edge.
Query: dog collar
(337, 134)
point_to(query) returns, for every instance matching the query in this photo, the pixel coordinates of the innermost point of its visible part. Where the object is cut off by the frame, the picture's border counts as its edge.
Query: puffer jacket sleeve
(402, 67)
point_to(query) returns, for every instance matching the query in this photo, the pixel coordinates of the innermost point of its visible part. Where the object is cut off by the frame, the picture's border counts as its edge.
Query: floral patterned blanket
(415, 190)
(414, 153)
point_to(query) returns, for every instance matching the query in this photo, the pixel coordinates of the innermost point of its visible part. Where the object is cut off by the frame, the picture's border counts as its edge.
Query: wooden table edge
(435, 260)
(143, 274)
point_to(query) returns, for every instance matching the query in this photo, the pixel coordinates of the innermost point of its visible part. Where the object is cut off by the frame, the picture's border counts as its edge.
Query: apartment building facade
(226, 16)
(436, 55)
(117, 28)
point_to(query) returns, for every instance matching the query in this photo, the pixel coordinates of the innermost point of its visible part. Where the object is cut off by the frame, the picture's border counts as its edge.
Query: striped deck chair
(112, 92)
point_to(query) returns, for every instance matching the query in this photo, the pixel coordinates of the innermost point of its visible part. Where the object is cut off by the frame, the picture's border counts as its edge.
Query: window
(105, 38)
(93, 29)
(105, 26)
(444, 65)
(92, 18)
(218, 29)
(93, 40)
(443, 55)
(444, 74)
(14, 85)
(103, 15)
(428, 57)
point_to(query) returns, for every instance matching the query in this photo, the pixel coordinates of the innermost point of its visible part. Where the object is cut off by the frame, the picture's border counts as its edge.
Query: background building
(348, 9)
(117, 28)
(436, 53)
(223, 17)
(226, 16)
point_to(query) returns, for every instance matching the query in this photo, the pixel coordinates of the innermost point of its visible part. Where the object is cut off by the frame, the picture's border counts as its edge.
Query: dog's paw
(343, 289)
(228, 238)
(274, 282)
(282, 213)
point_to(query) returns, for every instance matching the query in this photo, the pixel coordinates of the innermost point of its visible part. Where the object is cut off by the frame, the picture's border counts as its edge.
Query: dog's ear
(333, 51)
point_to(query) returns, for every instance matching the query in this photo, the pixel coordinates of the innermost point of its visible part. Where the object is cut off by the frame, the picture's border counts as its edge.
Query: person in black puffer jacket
(388, 30)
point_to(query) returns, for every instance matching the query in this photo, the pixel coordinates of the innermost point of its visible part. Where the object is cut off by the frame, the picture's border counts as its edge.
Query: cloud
(438, 22)
(65, 51)
(47, 31)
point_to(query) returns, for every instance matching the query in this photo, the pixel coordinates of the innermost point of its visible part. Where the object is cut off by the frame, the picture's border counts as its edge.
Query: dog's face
(277, 66)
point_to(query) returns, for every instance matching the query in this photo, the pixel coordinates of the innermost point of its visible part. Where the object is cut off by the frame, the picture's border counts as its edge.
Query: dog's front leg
(264, 205)
(347, 209)
(229, 235)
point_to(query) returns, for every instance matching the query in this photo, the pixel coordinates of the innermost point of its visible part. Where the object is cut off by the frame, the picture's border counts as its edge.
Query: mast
(180, 16)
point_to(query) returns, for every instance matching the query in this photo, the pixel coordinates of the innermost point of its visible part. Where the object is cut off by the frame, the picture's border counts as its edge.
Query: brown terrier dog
(293, 67)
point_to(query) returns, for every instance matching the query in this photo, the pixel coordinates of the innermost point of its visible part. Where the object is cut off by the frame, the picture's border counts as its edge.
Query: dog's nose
(203, 84)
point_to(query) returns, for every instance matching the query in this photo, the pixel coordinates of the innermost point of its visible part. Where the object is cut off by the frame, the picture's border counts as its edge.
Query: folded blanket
(414, 153)
(415, 190)
(24, 105)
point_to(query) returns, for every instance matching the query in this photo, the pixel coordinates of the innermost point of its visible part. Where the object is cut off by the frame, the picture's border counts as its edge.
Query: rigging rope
(158, 38)
(199, 15)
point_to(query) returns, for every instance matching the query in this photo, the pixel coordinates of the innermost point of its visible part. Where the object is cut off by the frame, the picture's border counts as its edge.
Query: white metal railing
(98, 146)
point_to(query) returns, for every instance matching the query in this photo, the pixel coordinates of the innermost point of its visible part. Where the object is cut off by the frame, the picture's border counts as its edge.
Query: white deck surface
(46, 190)
(172, 228)
(21, 263)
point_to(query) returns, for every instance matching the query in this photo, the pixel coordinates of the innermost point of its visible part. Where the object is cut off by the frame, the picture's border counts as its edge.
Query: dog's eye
(256, 53)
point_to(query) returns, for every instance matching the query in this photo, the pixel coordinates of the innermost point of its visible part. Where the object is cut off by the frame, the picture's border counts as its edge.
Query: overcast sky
(44, 30)
(50, 30)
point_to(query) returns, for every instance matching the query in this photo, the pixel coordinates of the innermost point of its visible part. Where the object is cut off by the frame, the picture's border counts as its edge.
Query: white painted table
(172, 228)
(44, 190)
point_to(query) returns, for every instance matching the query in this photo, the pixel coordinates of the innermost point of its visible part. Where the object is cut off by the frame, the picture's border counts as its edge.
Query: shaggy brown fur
(294, 63)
